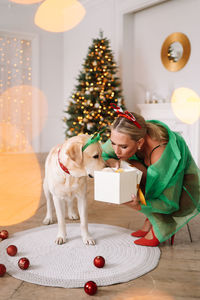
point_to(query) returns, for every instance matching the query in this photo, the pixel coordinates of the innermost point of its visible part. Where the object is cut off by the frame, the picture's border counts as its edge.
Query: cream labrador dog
(66, 169)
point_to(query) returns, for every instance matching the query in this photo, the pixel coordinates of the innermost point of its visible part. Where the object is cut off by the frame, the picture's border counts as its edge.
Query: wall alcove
(141, 68)
(124, 43)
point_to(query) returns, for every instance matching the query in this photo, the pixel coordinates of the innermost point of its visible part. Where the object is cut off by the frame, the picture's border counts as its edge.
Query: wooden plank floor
(176, 277)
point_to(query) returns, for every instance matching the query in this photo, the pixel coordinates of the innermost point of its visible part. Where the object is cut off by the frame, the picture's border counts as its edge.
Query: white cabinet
(163, 112)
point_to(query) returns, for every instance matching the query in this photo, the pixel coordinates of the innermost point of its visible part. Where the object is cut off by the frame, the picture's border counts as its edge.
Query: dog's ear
(74, 151)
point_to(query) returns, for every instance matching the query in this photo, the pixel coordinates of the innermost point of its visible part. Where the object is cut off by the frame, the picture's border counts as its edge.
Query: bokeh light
(143, 294)
(26, 108)
(20, 179)
(22, 117)
(186, 105)
(26, 1)
(59, 16)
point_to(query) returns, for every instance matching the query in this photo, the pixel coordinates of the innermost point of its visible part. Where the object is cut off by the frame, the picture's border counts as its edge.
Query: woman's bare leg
(149, 235)
(147, 225)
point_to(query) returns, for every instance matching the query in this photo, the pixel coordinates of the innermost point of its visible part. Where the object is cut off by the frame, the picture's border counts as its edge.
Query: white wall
(150, 27)
(49, 78)
(138, 52)
(105, 15)
(145, 32)
(99, 16)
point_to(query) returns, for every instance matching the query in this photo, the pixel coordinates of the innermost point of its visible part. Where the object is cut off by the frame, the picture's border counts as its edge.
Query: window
(16, 93)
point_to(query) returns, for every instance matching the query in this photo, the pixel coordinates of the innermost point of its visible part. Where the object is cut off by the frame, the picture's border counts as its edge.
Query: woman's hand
(113, 163)
(134, 203)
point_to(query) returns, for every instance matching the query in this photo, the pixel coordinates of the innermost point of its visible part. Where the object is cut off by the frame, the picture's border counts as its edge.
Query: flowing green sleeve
(169, 179)
(167, 202)
(177, 204)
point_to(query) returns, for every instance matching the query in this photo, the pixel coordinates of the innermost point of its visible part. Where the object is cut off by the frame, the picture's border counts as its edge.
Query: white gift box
(116, 187)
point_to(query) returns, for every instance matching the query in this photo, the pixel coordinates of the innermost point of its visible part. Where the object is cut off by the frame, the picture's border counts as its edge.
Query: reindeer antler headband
(126, 114)
(94, 138)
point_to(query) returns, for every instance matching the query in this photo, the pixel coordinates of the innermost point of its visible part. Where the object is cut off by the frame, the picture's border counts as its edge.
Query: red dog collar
(61, 165)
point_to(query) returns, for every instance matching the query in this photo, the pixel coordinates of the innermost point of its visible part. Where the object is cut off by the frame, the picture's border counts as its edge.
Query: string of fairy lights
(96, 90)
(15, 73)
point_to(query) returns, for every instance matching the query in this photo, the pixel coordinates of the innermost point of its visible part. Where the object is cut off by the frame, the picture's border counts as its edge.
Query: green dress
(172, 189)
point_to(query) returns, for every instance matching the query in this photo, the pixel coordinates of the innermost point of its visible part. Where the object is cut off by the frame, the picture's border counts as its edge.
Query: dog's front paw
(47, 221)
(73, 216)
(88, 240)
(60, 240)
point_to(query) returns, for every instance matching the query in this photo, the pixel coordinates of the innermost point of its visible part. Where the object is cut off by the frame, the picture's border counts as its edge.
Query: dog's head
(81, 163)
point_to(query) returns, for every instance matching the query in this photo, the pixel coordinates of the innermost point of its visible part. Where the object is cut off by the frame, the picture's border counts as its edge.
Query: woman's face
(123, 145)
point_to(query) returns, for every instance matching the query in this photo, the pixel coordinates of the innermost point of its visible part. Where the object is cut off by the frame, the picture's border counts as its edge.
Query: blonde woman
(171, 179)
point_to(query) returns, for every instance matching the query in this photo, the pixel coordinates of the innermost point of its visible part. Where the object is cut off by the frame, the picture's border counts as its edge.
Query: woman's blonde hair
(155, 131)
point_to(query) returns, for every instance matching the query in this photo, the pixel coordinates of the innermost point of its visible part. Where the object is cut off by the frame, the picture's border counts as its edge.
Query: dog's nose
(90, 176)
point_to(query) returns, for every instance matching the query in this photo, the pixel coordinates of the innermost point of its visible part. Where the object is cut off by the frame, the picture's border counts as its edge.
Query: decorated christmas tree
(98, 85)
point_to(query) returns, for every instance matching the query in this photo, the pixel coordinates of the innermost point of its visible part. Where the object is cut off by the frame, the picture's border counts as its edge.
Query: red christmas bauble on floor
(23, 263)
(99, 261)
(4, 234)
(11, 250)
(2, 270)
(90, 288)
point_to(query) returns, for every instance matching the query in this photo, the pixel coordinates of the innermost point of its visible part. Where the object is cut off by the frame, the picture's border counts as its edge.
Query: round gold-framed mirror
(175, 51)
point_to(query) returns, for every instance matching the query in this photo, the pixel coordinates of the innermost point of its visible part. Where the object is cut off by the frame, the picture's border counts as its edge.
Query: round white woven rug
(71, 265)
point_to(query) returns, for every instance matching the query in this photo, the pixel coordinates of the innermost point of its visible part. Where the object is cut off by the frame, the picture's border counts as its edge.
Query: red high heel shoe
(140, 233)
(172, 239)
(151, 243)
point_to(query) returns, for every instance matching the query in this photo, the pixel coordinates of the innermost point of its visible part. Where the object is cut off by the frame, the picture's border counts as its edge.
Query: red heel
(139, 233)
(145, 242)
(172, 239)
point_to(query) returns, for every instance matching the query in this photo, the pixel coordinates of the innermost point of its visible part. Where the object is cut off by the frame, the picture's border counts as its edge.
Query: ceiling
(6, 2)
